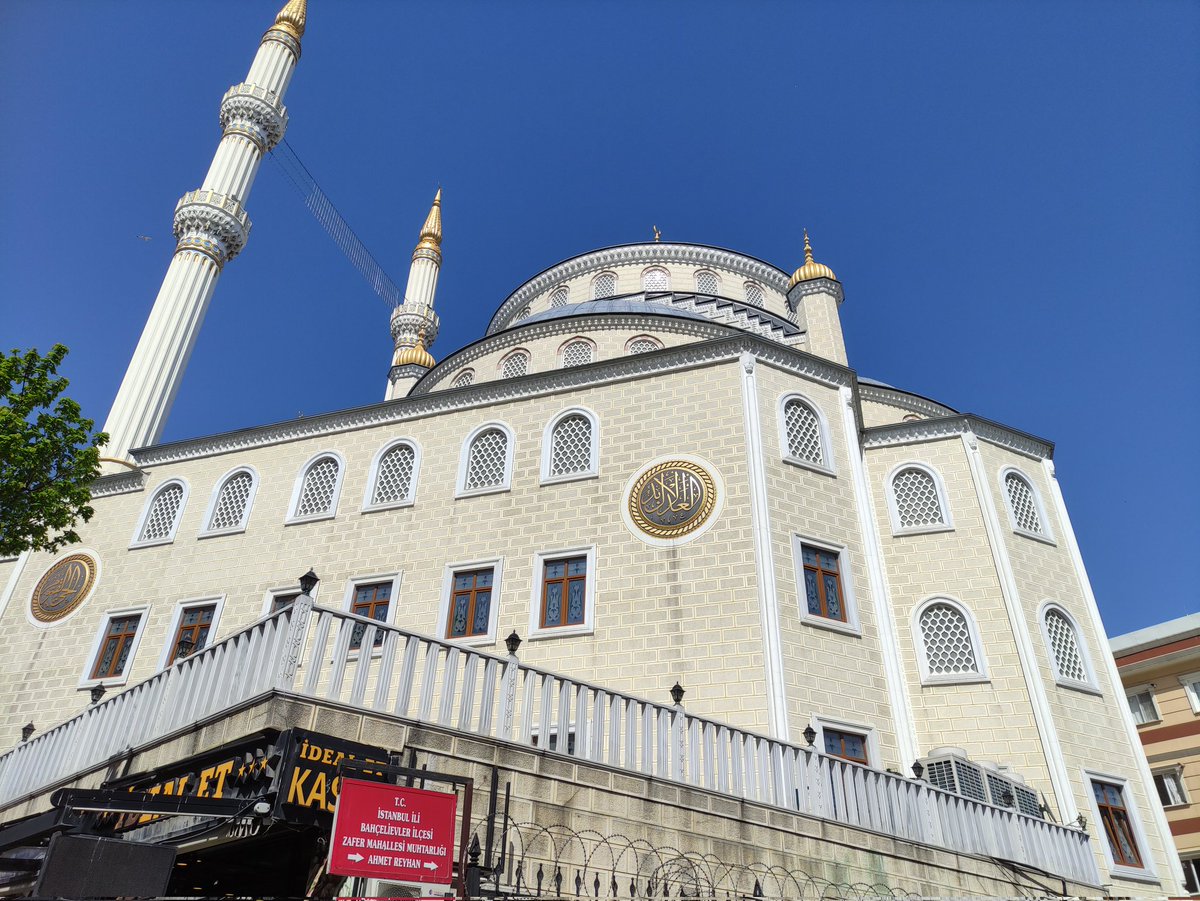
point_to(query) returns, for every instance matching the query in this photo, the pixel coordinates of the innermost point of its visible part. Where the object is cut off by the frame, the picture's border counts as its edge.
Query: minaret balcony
(211, 223)
(255, 113)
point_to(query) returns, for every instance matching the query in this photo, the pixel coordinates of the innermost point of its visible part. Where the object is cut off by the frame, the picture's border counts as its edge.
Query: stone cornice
(815, 286)
(952, 426)
(118, 483)
(636, 254)
(895, 397)
(487, 394)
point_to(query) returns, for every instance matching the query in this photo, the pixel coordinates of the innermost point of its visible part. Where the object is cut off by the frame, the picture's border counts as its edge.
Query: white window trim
(1191, 687)
(1089, 687)
(206, 532)
(938, 486)
(696, 278)
(576, 339)
(1047, 536)
(396, 577)
(588, 626)
(458, 375)
(1146, 688)
(851, 626)
(443, 621)
(550, 296)
(299, 487)
(134, 542)
(85, 679)
(465, 454)
(1177, 771)
(512, 353)
(600, 275)
(271, 593)
(819, 722)
(217, 600)
(408, 499)
(636, 338)
(928, 678)
(1145, 873)
(547, 447)
(647, 271)
(822, 427)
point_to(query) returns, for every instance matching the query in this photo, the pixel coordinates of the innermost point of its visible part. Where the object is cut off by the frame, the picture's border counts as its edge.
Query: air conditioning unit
(951, 770)
(382, 888)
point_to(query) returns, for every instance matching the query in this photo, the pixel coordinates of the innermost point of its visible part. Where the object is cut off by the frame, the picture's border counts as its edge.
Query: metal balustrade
(329, 655)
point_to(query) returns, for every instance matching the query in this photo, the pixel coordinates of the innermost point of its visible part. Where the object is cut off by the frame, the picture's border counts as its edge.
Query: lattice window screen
(524, 314)
(947, 636)
(577, 353)
(754, 294)
(1065, 645)
(803, 432)
(707, 282)
(1024, 508)
(571, 446)
(231, 502)
(464, 378)
(605, 285)
(316, 495)
(515, 365)
(917, 501)
(160, 522)
(560, 296)
(393, 479)
(643, 345)
(656, 280)
(486, 460)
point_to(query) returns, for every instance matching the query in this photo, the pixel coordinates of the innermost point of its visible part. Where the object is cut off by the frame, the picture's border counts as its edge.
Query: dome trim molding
(905, 400)
(952, 426)
(118, 483)
(701, 255)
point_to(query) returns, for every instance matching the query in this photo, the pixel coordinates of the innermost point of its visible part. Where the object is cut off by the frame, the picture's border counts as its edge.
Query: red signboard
(387, 832)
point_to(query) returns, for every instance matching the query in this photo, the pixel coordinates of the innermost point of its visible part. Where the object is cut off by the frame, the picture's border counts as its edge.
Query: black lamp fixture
(184, 649)
(97, 693)
(308, 582)
(810, 734)
(1081, 822)
(512, 643)
(918, 770)
(26, 731)
(677, 693)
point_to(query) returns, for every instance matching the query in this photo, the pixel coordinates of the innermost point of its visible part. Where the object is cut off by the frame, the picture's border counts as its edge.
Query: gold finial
(811, 269)
(657, 234)
(431, 232)
(291, 18)
(415, 355)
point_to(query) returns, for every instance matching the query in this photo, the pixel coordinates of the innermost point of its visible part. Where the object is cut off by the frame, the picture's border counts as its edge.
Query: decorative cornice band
(283, 37)
(407, 371)
(814, 286)
(118, 483)
(407, 322)
(424, 252)
(486, 394)
(895, 397)
(634, 254)
(211, 223)
(952, 427)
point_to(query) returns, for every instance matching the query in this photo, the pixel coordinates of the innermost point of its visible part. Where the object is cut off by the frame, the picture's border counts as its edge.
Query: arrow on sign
(354, 857)
(429, 865)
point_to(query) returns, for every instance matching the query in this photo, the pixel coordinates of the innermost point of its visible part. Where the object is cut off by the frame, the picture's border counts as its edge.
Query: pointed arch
(318, 488)
(160, 517)
(231, 502)
(571, 446)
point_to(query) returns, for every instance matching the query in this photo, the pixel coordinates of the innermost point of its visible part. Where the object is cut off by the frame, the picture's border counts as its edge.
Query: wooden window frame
(129, 639)
(354, 605)
(181, 628)
(821, 572)
(566, 581)
(537, 592)
(472, 594)
(1113, 819)
(842, 734)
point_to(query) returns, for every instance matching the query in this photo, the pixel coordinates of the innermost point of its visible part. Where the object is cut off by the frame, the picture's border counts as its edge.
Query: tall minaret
(211, 227)
(414, 324)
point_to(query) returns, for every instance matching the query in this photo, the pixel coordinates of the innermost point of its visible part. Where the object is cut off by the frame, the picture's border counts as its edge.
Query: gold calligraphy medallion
(672, 499)
(63, 588)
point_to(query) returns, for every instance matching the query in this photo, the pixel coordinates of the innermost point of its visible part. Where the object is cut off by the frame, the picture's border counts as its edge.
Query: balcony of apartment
(341, 662)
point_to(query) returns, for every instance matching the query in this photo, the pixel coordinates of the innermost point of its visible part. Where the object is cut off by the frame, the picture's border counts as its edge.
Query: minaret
(211, 227)
(814, 295)
(414, 324)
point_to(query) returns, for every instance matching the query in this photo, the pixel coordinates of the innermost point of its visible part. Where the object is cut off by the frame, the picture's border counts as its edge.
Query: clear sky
(1009, 192)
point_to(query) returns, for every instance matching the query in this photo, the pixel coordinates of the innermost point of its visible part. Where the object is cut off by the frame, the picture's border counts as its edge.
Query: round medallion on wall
(63, 588)
(672, 500)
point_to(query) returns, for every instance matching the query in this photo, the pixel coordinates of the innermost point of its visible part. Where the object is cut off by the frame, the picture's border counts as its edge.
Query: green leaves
(48, 455)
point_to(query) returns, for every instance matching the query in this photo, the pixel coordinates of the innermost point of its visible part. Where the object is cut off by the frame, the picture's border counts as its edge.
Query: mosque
(649, 549)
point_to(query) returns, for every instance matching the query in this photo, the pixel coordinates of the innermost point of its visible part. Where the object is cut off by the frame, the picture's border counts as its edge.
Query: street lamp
(308, 582)
(512, 643)
(918, 770)
(810, 734)
(677, 693)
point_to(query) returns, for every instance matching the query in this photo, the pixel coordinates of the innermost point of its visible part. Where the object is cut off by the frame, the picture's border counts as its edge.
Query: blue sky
(1008, 191)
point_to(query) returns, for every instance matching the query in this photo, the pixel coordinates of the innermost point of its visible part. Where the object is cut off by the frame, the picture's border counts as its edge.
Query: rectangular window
(371, 601)
(116, 646)
(1141, 704)
(1170, 788)
(564, 592)
(1191, 874)
(846, 745)
(1191, 686)
(1118, 829)
(470, 603)
(823, 583)
(195, 623)
(280, 601)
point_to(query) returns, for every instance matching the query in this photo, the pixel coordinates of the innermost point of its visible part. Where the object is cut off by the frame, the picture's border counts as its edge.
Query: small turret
(414, 323)
(813, 297)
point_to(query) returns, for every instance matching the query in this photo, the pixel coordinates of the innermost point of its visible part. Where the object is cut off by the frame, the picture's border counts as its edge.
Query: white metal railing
(307, 650)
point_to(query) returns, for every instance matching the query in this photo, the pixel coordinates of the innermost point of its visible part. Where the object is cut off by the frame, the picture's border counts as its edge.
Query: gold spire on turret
(810, 269)
(418, 355)
(291, 18)
(431, 232)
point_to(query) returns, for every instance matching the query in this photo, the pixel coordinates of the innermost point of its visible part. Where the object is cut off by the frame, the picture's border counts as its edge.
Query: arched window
(707, 282)
(1023, 505)
(560, 296)
(604, 285)
(487, 460)
(230, 507)
(656, 279)
(576, 353)
(515, 364)
(948, 642)
(754, 294)
(1066, 651)
(569, 447)
(317, 490)
(642, 344)
(524, 314)
(917, 501)
(161, 516)
(803, 435)
(464, 378)
(393, 476)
